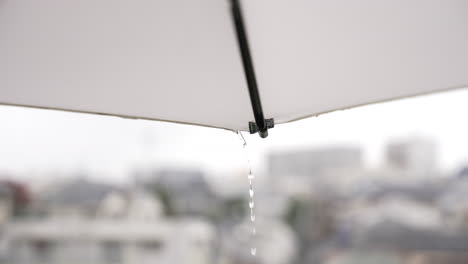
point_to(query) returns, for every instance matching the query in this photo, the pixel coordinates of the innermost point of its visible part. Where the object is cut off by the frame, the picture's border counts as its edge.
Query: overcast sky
(35, 140)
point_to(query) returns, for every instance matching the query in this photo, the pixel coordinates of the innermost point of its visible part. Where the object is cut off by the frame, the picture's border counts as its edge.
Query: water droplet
(250, 177)
(253, 251)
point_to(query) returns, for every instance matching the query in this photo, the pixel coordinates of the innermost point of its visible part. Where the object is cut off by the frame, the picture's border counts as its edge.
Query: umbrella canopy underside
(179, 61)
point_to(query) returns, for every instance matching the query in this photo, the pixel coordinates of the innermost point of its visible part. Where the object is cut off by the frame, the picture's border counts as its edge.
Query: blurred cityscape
(313, 205)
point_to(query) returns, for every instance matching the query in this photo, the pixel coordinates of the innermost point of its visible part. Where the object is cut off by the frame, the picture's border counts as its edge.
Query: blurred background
(384, 183)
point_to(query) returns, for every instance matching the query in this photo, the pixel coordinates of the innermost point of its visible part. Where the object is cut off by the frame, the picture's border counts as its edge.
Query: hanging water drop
(250, 178)
(253, 251)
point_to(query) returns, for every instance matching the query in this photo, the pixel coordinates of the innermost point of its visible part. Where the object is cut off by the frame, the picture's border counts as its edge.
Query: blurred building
(313, 162)
(86, 222)
(73, 198)
(15, 198)
(102, 241)
(320, 206)
(183, 192)
(453, 204)
(416, 155)
(6, 203)
(275, 243)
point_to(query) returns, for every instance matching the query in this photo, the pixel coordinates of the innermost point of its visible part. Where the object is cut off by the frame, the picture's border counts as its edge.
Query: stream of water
(250, 178)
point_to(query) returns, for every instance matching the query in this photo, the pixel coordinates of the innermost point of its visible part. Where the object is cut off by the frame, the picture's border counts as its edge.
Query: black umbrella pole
(261, 125)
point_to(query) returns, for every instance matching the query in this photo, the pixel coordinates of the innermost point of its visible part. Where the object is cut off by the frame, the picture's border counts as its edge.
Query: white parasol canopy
(179, 60)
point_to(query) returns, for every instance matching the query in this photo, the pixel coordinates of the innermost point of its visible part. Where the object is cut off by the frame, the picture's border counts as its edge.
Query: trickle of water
(253, 251)
(250, 177)
(252, 216)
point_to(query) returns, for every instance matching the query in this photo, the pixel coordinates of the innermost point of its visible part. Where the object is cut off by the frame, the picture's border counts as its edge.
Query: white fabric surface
(178, 60)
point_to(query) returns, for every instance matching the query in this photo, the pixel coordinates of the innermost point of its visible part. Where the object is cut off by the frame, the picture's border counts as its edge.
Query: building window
(150, 245)
(43, 250)
(112, 252)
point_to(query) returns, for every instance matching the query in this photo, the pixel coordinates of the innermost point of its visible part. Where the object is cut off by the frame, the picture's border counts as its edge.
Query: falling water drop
(250, 178)
(253, 251)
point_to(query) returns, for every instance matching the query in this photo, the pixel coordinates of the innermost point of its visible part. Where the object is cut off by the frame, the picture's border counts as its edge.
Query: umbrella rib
(260, 125)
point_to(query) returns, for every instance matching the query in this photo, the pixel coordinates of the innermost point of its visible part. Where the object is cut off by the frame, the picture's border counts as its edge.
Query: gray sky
(35, 140)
